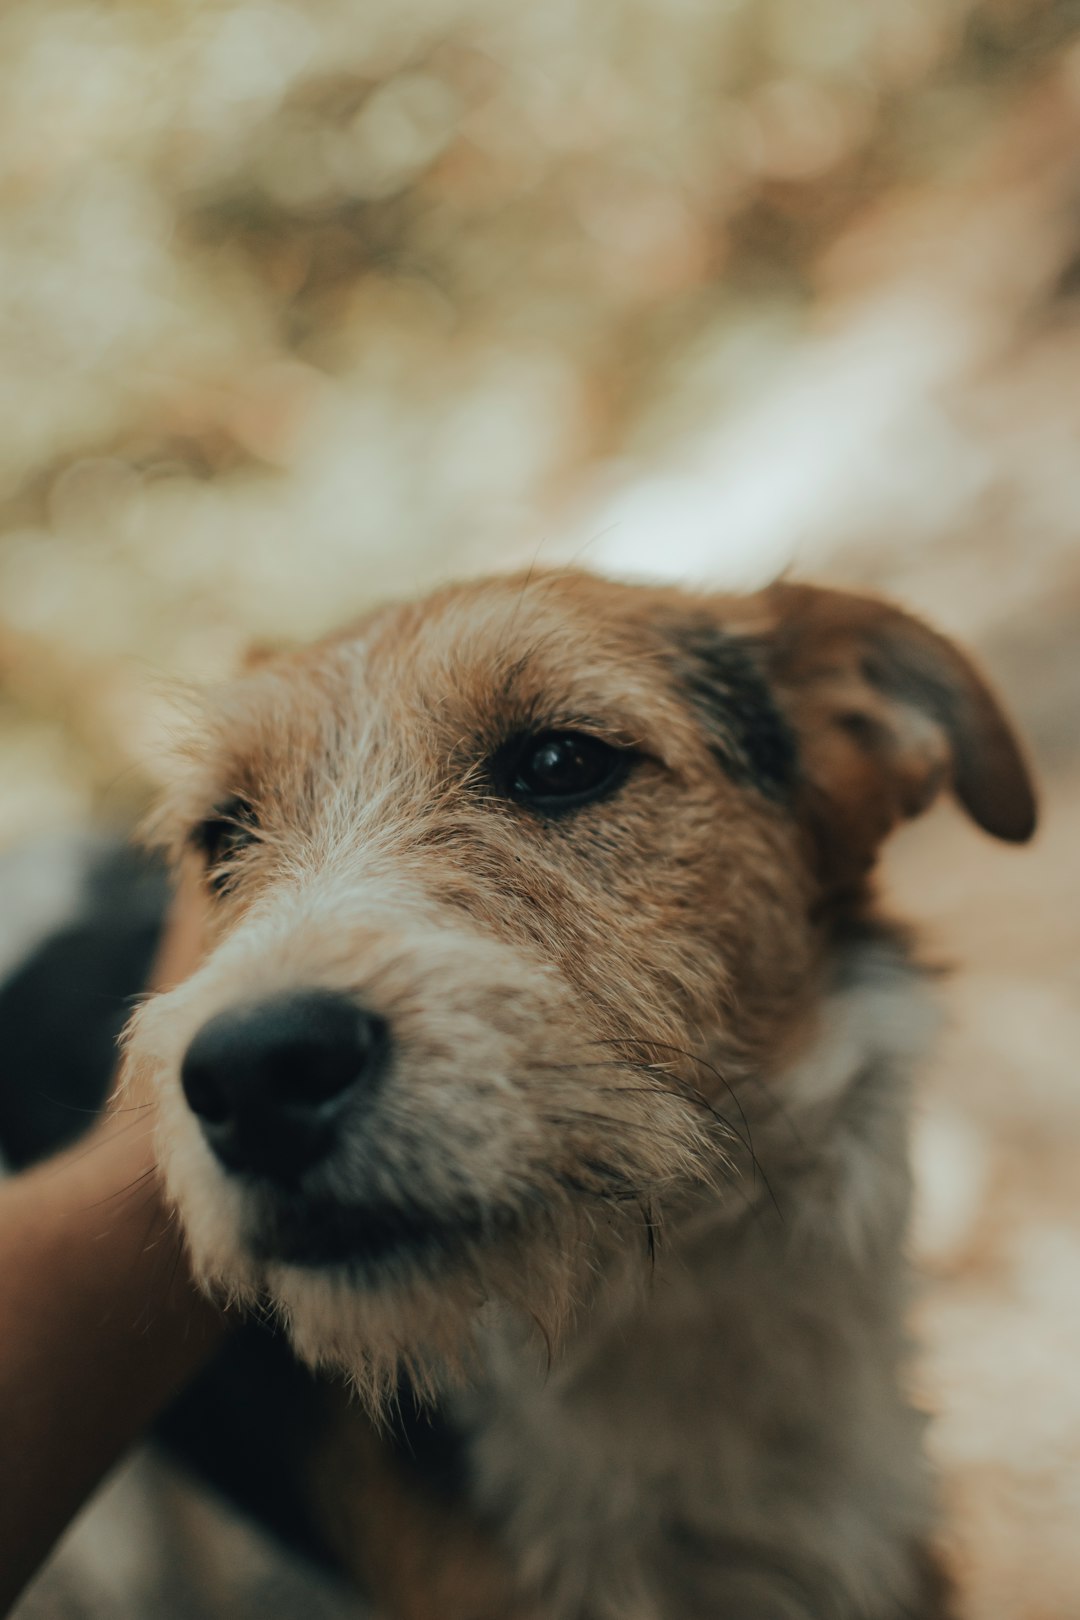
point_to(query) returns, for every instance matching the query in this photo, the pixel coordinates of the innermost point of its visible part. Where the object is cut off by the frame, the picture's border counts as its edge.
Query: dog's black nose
(271, 1080)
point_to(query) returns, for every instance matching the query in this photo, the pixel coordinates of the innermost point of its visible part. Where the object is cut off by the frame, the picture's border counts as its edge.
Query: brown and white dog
(550, 1065)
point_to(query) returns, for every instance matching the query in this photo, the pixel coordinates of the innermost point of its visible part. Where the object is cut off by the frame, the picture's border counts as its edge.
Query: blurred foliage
(303, 303)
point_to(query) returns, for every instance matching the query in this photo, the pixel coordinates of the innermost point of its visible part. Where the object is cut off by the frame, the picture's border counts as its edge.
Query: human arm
(100, 1323)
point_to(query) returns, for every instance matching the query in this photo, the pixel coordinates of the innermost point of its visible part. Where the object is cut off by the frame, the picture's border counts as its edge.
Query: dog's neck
(818, 1154)
(759, 1316)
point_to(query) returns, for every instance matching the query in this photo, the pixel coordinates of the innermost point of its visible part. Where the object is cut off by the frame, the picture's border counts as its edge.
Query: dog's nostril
(269, 1080)
(205, 1090)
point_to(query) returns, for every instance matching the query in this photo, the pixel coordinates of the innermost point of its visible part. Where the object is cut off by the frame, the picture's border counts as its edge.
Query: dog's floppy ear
(886, 713)
(854, 713)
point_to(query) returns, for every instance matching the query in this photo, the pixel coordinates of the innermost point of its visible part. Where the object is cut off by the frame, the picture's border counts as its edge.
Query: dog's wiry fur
(642, 1149)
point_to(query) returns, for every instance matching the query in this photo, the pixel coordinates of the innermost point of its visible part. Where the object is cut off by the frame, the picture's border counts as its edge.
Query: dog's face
(510, 889)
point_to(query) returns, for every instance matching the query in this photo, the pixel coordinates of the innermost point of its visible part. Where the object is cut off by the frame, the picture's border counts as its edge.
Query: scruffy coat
(628, 1211)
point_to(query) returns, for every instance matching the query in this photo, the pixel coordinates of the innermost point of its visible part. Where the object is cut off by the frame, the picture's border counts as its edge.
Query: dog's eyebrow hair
(513, 671)
(534, 719)
(747, 731)
(512, 711)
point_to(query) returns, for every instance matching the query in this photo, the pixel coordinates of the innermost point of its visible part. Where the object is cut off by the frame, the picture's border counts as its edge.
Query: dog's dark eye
(559, 769)
(221, 837)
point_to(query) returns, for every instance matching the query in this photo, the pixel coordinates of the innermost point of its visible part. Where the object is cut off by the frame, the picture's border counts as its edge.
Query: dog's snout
(271, 1080)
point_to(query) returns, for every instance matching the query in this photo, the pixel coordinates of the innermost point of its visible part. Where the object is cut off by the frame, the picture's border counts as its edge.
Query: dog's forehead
(560, 640)
(465, 669)
(485, 658)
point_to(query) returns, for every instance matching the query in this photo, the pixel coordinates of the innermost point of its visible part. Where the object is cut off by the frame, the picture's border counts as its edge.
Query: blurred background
(305, 304)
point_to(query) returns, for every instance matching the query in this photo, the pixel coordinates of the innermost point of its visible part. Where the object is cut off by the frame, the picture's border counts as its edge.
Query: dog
(548, 1076)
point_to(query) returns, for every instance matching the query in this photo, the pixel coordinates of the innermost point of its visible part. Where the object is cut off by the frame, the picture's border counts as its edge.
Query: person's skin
(100, 1322)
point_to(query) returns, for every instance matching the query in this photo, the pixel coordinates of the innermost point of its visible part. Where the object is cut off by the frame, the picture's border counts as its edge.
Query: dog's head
(510, 890)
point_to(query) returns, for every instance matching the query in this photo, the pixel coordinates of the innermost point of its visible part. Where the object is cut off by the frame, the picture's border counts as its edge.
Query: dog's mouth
(361, 1237)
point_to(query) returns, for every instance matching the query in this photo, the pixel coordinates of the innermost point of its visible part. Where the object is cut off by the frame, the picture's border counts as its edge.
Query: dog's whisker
(124, 1191)
(691, 1057)
(651, 1233)
(549, 1347)
(695, 1096)
(92, 1113)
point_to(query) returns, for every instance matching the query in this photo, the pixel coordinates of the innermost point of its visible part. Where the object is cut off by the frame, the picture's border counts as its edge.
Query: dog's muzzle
(271, 1082)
